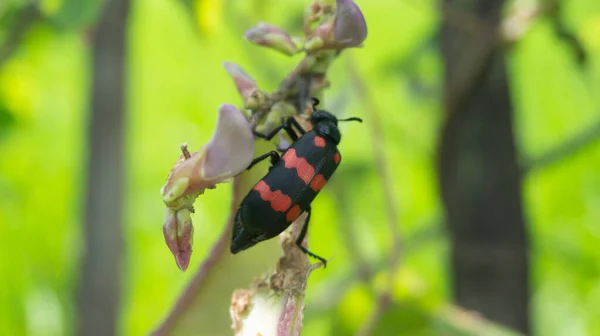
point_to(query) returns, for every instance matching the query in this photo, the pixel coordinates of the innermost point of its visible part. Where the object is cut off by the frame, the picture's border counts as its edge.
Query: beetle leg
(287, 126)
(271, 134)
(272, 154)
(301, 236)
(293, 121)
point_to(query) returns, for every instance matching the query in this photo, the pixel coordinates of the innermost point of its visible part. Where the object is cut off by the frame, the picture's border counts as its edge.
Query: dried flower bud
(267, 35)
(347, 29)
(228, 153)
(256, 100)
(243, 82)
(318, 10)
(318, 84)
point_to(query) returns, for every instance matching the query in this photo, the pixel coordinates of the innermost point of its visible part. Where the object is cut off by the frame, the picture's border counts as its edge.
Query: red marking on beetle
(318, 183)
(337, 158)
(304, 170)
(279, 201)
(319, 142)
(293, 213)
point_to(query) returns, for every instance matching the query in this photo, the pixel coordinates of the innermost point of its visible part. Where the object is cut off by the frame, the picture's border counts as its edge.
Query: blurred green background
(176, 83)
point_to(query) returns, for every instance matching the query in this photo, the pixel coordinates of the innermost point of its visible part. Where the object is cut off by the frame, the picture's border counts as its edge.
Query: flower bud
(349, 25)
(267, 35)
(178, 232)
(170, 231)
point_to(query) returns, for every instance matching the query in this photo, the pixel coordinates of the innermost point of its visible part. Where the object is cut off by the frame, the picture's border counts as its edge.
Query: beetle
(292, 182)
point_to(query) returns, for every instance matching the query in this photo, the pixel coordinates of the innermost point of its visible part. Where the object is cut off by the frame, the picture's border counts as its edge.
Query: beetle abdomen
(286, 191)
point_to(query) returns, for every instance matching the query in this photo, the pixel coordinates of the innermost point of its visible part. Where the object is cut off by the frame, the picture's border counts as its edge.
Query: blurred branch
(470, 322)
(475, 67)
(24, 19)
(363, 269)
(470, 71)
(462, 20)
(561, 30)
(387, 184)
(189, 5)
(101, 269)
(349, 233)
(382, 166)
(514, 26)
(330, 293)
(523, 15)
(568, 148)
(493, 37)
(383, 303)
(485, 217)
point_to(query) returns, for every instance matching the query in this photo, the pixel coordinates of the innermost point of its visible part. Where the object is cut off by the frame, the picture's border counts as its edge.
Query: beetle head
(326, 123)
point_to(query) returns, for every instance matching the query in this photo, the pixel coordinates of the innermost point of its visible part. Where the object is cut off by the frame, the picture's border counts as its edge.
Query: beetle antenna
(316, 102)
(351, 119)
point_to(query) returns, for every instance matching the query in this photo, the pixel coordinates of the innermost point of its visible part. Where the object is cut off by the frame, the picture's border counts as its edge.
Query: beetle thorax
(330, 130)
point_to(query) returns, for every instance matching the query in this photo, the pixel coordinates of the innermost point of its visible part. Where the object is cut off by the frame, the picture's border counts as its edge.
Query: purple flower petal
(231, 148)
(243, 82)
(349, 27)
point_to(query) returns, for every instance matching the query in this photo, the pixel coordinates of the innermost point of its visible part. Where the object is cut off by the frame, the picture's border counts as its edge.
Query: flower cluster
(228, 153)
(344, 27)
